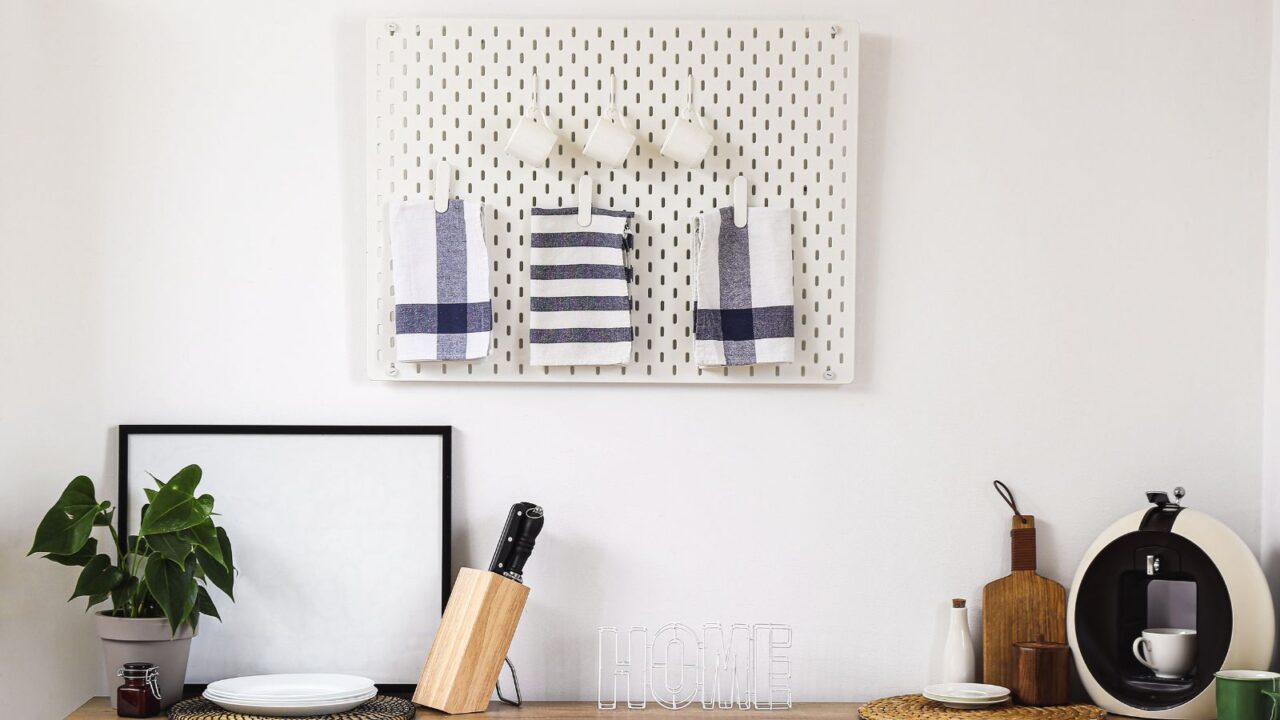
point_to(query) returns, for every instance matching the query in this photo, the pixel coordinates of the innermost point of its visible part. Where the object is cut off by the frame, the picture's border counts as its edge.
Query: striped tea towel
(441, 272)
(744, 307)
(579, 299)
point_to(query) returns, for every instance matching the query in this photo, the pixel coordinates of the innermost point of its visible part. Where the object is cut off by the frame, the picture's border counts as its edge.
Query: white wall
(1270, 507)
(1061, 243)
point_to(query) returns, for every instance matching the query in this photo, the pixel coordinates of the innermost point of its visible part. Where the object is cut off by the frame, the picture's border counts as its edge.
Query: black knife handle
(524, 522)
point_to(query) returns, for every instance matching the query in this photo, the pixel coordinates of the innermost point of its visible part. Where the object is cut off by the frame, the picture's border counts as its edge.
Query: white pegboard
(780, 97)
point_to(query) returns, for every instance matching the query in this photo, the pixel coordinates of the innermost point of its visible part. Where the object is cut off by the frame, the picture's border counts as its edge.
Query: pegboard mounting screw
(392, 28)
(829, 375)
(392, 370)
(835, 30)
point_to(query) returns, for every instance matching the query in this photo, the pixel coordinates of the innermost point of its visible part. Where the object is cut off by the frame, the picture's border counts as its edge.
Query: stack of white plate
(967, 696)
(291, 695)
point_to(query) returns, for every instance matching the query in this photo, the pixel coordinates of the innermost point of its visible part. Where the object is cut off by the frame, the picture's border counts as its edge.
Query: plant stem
(138, 593)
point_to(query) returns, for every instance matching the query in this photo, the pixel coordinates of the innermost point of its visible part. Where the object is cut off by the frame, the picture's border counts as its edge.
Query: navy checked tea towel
(579, 299)
(440, 267)
(744, 306)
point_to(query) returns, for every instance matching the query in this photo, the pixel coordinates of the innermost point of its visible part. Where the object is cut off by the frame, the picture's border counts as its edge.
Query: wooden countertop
(99, 708)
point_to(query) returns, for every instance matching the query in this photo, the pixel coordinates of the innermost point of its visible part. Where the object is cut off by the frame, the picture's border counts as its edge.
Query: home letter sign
(739, 666)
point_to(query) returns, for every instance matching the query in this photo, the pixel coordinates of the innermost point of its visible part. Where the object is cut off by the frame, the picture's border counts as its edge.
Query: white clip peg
(444, 178)
(740, 201)
(584, 200)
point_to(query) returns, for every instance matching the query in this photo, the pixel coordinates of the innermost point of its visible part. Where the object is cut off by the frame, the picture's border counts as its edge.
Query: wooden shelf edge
(98, 708)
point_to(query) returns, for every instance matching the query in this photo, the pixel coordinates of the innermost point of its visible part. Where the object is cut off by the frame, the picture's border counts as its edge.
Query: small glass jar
(139, 696)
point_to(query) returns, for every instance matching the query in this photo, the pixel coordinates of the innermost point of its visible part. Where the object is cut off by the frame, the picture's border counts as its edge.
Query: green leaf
(79, 558)
(99, 577)
(123, 592)
(205, 535)
(173, 587)
(171, 545)
(204, 503)
(185, 479)
(66, 527)
(95, 599)
(204, 603)
(151, 493)
(221, 575)
(104, 518)
(175, 506)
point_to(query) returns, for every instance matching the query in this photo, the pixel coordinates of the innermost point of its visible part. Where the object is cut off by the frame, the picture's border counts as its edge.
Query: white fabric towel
(579, 295)
(744, 304)
(440, 268)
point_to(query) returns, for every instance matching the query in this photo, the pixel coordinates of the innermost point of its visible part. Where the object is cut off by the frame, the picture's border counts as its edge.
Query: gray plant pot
(145, 640)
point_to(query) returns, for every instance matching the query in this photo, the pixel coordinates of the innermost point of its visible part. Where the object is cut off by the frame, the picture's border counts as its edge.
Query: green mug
(1247, 694)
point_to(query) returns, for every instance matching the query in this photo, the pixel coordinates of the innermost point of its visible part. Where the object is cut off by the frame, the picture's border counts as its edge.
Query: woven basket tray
(382, 707)
(917, 707)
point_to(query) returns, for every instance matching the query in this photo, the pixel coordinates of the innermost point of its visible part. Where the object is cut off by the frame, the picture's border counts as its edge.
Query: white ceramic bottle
(958, 661)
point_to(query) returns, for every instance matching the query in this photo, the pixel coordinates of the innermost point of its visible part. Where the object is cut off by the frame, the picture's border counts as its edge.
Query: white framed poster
(340, 537)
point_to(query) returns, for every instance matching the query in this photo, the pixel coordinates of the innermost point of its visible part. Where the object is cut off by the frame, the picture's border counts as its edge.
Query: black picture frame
(444, 432)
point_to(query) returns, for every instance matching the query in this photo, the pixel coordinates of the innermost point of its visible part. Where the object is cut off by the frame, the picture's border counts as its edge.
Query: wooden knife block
(475, 633)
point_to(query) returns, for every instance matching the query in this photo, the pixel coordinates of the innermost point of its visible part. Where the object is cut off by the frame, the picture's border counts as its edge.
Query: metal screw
(829, 375)
(835, 30)
(392, 371)
(392, 28)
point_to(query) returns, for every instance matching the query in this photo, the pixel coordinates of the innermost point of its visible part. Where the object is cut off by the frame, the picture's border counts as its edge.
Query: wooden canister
(1040, 673)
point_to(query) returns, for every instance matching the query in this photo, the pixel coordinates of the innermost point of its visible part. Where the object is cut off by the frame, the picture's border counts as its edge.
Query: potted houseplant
(158, 584)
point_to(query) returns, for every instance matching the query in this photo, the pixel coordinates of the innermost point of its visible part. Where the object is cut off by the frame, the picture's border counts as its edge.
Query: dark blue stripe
(577, 272)
(580, 302)
(576, 239)
(581, 335)
(443, 319)
(574, 211)
(451, 281)
(733, 325)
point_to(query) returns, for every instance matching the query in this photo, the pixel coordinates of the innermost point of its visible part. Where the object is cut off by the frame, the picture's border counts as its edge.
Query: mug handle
(1137, 652)
(1275, 703)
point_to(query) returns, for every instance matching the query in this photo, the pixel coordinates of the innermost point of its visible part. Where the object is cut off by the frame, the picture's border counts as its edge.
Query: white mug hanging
(532, 139)
(688, 140)
(610, 143)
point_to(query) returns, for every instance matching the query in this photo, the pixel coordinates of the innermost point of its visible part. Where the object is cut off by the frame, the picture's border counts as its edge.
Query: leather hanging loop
(1007, 496)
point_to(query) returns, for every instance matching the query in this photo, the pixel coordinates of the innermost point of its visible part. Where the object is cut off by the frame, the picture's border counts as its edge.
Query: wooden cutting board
(1020, 607)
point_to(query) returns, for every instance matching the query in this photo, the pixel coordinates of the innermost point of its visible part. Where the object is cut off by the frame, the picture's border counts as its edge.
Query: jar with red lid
(139, 696)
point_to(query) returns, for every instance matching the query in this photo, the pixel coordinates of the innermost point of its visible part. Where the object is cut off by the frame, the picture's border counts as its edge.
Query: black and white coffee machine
(1167, 569)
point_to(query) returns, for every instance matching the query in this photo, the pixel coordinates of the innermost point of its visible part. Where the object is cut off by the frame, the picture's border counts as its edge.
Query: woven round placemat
(382, 707)
(918, 707)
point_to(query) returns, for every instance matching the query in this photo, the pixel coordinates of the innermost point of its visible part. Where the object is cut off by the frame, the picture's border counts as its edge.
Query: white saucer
(967, 692)
(969, 706)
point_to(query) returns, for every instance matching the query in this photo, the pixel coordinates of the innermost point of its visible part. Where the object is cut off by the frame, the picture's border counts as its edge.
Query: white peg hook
(535, 110)
(688, 93)
(444, 178)
(584, 200)
(740, 201)
(613, 99)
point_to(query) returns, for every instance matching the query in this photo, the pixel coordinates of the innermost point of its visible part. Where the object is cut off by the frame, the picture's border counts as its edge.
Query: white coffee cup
(531, 141)
(1169, 652)
(687, 141)
(609, 143)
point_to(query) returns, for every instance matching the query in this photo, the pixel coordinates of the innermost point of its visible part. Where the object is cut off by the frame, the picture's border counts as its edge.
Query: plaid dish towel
(579, 299)
(440, 268)
(744, 306)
